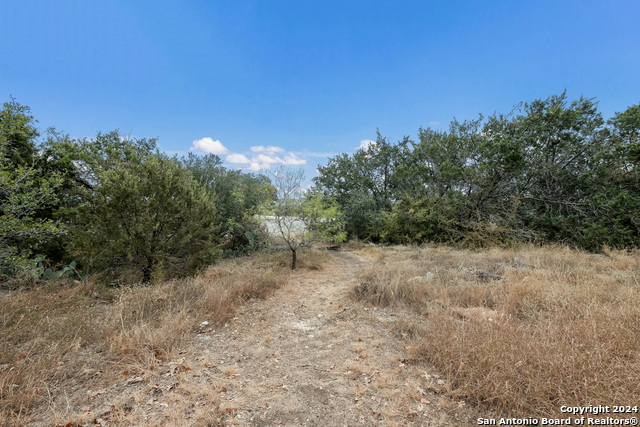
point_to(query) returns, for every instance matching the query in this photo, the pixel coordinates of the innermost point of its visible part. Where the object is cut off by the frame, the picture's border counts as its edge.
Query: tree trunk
(293, 259)
(147, 270)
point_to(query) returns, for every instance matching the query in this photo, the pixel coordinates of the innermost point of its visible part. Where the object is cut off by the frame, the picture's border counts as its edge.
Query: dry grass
(522, 331)
(60, 339)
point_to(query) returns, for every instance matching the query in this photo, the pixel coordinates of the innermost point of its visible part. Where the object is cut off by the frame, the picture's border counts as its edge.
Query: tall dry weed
(60, 338)
(522, 330)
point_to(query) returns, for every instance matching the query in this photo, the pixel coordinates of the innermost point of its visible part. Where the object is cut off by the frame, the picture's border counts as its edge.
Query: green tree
(323, 218)
(23, 234)
(107, 151)
(456, 186)
(17, 134)
(27, 194)
(548, 171)
(238, 197)
(617, 193)
(364, 184)
(150, 218)
(626, 134)
(300, 220)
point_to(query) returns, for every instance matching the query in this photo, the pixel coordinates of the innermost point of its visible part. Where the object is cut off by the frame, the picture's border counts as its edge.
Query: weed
(80, 335)
(556, 326)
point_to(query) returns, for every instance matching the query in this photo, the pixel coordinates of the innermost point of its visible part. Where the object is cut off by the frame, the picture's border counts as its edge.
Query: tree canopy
(303, 217)
(116, 206)
(553, 170)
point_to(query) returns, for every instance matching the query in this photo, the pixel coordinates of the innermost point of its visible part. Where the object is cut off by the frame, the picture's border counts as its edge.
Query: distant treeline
(550, 171)
(115, 206)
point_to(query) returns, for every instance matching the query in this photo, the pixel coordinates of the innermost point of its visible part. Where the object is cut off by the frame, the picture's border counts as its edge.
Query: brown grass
(61, 338)
(559, 328)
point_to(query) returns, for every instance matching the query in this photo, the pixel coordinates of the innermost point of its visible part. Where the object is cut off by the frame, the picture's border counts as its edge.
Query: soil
(309, 355)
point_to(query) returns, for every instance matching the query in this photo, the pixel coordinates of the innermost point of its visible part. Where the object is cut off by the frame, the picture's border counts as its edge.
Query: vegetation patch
(538, 329)
(68, 337)
(551, 171)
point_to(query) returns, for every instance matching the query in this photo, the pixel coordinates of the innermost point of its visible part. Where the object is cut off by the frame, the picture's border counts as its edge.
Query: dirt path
(311, 356)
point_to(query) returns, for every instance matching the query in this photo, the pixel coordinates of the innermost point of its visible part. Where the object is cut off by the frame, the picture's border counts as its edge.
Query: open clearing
(312, 356)
(307, 355)
(351, 341)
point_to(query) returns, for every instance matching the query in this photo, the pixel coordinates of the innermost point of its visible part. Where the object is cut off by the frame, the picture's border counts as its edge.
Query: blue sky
(292, 82)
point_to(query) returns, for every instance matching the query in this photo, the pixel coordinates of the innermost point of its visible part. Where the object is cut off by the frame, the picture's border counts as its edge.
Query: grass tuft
(522, 330)
(63, 337)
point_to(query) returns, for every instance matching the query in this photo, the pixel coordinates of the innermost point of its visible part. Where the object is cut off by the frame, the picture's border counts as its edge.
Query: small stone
(520, 263)
(134, 380)
(485, 275)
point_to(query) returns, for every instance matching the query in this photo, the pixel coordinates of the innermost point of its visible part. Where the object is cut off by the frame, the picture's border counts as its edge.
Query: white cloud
(263, 157)
(237, 158)
(365, 143)
(434, 123)
(208, 145)
(292, 159)
(268, 149)
(288, 159)
(257, 167)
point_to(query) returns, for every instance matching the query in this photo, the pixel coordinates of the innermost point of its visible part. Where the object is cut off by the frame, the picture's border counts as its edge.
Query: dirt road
(308, 355)
(311, 356)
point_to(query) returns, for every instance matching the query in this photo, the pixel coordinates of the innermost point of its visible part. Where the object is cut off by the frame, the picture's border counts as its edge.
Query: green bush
(149, 219)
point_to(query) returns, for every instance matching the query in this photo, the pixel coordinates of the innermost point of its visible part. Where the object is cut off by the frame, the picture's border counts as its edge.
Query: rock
(303, 326)
(518, 262)
(477, 314)
(427, 277)
(485, 275)
(134, 380)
